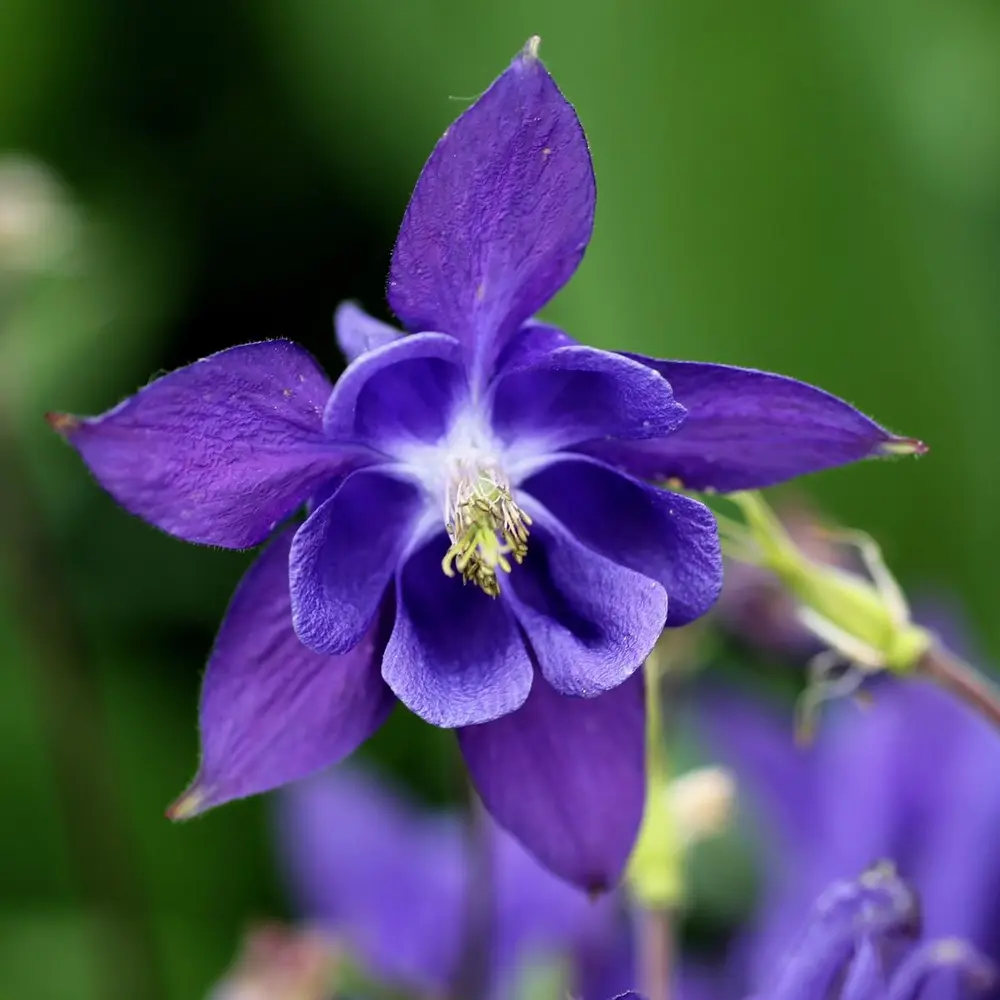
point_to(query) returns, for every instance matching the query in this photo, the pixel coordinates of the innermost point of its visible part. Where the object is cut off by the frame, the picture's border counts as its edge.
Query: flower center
(485, 526)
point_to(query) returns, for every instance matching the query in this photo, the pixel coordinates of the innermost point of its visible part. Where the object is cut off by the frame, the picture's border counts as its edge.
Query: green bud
(866, 620)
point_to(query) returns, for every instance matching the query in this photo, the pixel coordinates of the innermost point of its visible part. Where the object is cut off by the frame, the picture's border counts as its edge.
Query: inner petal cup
(455, 656)
(401, 393)
(590, 621)
(345, 555)
(572, 394)
(533, 340)
(665, 536)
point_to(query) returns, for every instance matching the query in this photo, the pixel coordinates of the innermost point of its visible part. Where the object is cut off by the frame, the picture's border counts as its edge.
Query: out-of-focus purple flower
(859, 943)
(396, 885)
(859, 939)
(483, 448)
(911, 778)
(393, 886)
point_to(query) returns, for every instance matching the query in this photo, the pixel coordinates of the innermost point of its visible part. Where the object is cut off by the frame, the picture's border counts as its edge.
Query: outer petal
(218, 452)
(388, 879)
(747, 429)
(572, 394)
(273, 711)
(455, 656)
(590, 621)
(358, 333)
(668, 537)
(345, 555)
(566, 776)
(401, 392)
(500, 216)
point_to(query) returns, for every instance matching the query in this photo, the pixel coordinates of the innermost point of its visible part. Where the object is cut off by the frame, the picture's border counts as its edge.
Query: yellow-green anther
(866, 620)
(485, 526)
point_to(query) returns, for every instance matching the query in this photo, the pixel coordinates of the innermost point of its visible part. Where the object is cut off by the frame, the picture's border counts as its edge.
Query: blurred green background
(807, 187)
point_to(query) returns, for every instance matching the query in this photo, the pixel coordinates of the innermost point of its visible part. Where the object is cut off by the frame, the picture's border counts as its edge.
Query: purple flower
(481, 543)
(859, 939)
(859, 945)
(396, 887)
(912, 778)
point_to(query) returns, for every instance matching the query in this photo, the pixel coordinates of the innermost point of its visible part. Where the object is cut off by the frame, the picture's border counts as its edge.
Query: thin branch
(476, 961)
(962, 680)
(654, 939)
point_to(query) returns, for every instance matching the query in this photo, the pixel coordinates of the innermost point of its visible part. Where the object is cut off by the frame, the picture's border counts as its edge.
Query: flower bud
(865, 619)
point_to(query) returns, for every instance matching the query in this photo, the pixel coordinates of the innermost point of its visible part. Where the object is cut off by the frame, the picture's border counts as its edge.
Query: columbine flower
(481, 544)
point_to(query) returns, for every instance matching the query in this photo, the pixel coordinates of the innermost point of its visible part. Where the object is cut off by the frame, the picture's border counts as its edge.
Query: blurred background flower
(905, 777)
(812, 189)
(411, 895)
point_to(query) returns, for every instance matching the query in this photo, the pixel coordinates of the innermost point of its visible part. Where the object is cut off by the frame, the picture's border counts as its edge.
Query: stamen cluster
(481, 512)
